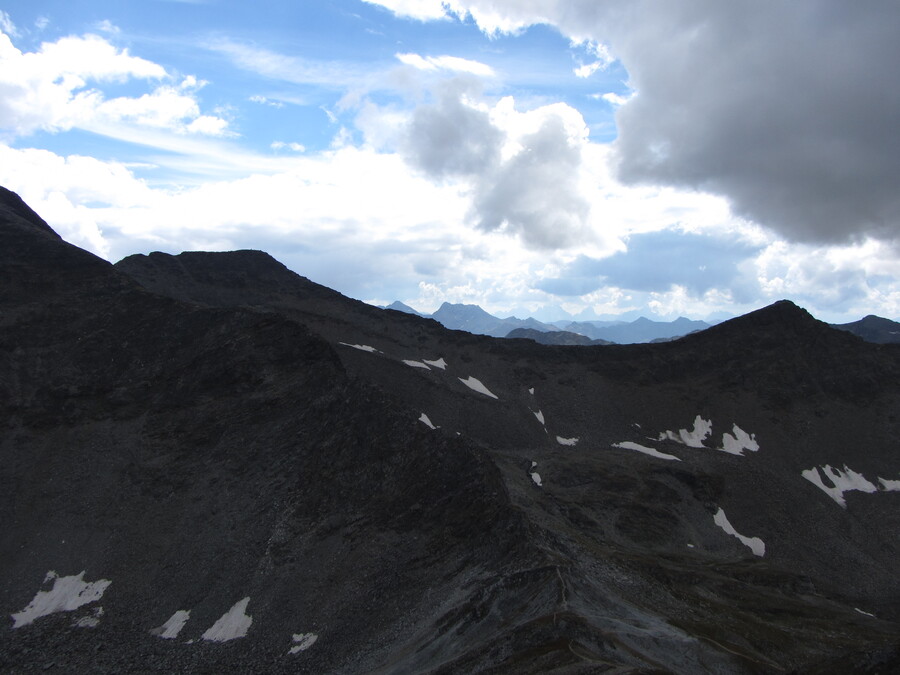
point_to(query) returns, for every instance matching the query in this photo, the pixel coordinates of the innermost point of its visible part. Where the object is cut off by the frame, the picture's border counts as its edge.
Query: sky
(552, 158)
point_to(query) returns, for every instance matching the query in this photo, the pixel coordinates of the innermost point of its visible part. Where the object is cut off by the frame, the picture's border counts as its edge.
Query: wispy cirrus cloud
(7, 25)
(447, 63)
(336, 75)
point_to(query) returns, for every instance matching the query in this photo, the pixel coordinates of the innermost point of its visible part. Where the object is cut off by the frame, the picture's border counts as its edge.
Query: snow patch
(628, 445)
(540, 417)
(440, 363)
(842, 481)
(303, 641)
(476, 385)
(427, 422)
(531, 391)
(692, 439)
(865, 613)
(415, 364)
(68, 593)
(566, 441)
(234, 624)
(755, 544)
(171, 628)
(740, 441)
(889, 485)
(535, 476)
(362, 348)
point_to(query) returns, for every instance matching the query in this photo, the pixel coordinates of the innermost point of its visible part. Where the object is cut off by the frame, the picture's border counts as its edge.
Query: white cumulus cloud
(58, 87)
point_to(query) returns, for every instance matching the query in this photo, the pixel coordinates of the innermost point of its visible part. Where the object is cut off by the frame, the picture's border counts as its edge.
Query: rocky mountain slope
(212, 464)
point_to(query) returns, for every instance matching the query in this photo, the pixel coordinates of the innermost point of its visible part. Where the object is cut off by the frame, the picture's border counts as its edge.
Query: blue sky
(580, 158)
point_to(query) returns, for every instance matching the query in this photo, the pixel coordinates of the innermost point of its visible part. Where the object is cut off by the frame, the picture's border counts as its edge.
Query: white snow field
(755, 544)
(415, 364)
(737, 443)
(68, 593)
(171, 628)
(362, 348)
(566, 441)
(440, 363)
(540, 417)
(843, 481)
(427, 422)
(629, 445)
(475, 385)
(692, 439)
(302, 642)
(889, 485)
(233, 624)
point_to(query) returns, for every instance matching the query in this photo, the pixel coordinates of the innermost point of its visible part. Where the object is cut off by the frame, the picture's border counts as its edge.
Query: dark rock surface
(203, 428)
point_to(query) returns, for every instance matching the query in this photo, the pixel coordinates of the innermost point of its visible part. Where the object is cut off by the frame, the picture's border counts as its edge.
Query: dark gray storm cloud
(535, 193)
(450, 138)
(654, 262)
(532, 194)
(789, 109)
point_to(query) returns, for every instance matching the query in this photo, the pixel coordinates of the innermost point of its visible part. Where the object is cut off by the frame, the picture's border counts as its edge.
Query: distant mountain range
(639, 330)
(474, 319)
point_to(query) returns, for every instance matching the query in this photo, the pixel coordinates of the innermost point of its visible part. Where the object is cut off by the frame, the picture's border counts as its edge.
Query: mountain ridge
(391, 495)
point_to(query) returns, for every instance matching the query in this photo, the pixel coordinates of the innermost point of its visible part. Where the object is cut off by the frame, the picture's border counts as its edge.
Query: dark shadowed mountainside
(873, 329)
(211, 464)
(555, 337)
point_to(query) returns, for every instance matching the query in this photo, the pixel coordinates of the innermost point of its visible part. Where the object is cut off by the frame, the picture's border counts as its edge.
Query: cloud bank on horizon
(581, 157)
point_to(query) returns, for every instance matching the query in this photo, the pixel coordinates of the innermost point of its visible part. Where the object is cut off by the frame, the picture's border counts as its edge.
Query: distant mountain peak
(398, 306)
(873, 328)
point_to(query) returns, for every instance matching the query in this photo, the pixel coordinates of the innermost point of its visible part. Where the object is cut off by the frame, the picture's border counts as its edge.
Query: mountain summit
(212, 464)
